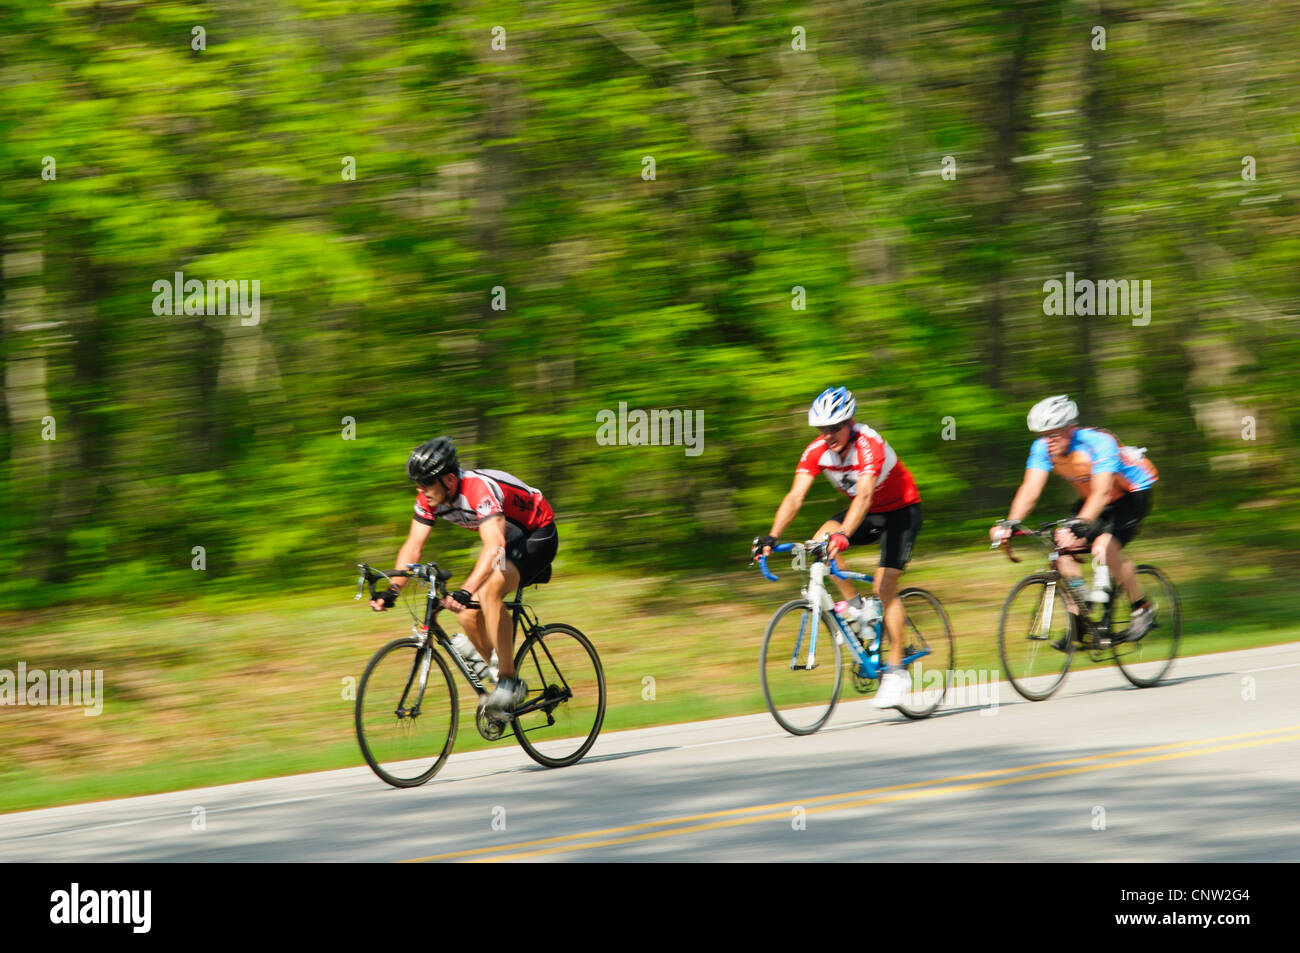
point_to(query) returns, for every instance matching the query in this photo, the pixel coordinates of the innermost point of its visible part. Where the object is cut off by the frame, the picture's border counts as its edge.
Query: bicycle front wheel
(406, 713)
(566, 684)
(1036, 636)
(1148, 660)
(927, 642)
(801, 681)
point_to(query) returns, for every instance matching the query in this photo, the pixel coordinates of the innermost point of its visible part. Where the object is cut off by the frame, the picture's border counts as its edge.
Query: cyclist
(517, 527)
(886, 505)
(1114, 486)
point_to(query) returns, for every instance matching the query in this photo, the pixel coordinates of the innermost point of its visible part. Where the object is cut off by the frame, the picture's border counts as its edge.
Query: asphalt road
(1203, 768)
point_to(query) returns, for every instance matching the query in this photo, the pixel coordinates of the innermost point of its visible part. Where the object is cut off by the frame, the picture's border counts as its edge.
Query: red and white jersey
(486, 493)
(867, 455)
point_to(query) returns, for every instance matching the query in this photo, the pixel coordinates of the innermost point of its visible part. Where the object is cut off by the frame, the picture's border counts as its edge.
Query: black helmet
(430, 459)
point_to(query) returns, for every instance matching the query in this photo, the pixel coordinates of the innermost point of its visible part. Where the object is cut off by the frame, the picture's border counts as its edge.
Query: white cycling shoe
(510, 693)
(1140, 622)
(893, 689)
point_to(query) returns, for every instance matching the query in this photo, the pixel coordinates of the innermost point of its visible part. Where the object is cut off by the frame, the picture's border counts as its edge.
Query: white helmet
(833, 406)
(1054, 412)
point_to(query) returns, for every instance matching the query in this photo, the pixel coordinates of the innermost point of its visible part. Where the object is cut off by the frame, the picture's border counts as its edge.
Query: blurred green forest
(653, 186)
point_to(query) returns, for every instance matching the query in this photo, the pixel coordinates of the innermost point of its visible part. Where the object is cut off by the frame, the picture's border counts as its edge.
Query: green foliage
(523, 168)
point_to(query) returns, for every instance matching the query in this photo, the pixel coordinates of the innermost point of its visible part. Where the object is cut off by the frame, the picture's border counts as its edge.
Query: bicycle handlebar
(762, 559)
(1044, 534)
(429, 572)
(814, 546)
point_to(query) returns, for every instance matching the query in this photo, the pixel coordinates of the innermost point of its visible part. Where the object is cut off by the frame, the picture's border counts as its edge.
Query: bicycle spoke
(1146, 661)
(1035, 637)
(800, 668)
(406, 713)
(565, 707)
(928, 652)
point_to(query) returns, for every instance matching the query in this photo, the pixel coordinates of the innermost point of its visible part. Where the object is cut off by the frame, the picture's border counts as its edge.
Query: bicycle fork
(815, 593)
(423, 661)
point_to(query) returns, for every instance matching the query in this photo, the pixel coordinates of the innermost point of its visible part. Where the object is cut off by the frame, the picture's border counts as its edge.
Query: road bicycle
(407, 710)
(1039, 632)
(797, 685)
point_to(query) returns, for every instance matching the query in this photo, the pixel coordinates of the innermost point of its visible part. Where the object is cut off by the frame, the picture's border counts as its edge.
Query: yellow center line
(937, 782)
(900, 796)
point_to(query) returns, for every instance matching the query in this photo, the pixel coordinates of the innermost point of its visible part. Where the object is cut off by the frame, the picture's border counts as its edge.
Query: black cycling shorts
(532, 554)
(896, 531)
(1121, 518)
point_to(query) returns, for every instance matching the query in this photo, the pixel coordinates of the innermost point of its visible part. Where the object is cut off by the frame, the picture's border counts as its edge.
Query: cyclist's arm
(412, 548)
(789, 507)
(859, 508)
(1031, 488)
(1099, 490)
(493, 533)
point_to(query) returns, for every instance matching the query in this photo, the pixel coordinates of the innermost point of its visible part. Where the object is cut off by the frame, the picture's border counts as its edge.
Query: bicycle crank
(489, 728)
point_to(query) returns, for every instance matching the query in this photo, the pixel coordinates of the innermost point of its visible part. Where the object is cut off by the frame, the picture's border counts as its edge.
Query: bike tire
(1135, 660)
(387, 741)
(559, 659)
(1011, 646)
(782, 659)
(942, 648)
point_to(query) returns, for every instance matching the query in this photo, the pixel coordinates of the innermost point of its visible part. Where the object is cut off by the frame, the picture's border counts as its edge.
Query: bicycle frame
(1044, 534)
(521, 616)
(867, 656)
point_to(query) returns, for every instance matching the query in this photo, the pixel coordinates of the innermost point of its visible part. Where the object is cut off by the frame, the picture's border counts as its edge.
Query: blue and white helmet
(833, 406)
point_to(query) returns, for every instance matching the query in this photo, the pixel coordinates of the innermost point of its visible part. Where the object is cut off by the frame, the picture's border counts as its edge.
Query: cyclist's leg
(500, 583)
(1130, 510)
(527, 558)
(898, 536)
(471, 623)
(1121, 567)
(1068, 566)
(868, 532)
(885, 586)
(833, 525)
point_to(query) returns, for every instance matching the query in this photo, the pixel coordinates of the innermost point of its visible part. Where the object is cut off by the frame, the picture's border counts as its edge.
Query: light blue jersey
(1096, 451)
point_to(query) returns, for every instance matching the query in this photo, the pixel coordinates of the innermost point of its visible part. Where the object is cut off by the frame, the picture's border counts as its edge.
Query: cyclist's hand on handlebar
(457, 601)
(762, 546)
(1073, 535)
(386, 599)
(836, 543)
(1000, 531)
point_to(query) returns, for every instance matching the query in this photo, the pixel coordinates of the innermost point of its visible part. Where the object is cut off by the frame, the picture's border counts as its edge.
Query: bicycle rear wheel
(406, 713)
(927, 638)
(1149, 659)
(565, 679)
(1036, 636)
(801, 682)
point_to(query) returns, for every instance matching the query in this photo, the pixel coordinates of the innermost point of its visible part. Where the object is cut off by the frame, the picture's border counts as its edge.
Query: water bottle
(1100, 584)
(465, 649)
(850, 614)
(1077, 589)
(870, 618)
